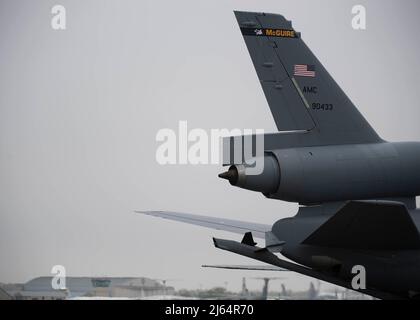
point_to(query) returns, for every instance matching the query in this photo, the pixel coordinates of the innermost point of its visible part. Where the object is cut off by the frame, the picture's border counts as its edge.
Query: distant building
(4, 295)
(11, 289)
(111, 287)
(42, 295)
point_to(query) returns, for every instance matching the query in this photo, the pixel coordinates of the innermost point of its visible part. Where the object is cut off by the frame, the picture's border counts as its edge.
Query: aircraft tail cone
(231, 175)
(224, 175)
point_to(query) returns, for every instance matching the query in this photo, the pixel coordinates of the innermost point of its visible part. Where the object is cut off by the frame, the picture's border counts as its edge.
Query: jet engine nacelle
(313, 175)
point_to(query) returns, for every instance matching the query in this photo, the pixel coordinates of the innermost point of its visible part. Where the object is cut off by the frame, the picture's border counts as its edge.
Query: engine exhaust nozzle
(231, 175)
(242, 176)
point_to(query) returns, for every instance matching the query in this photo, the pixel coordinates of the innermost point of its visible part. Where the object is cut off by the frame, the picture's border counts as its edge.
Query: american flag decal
(304, 70)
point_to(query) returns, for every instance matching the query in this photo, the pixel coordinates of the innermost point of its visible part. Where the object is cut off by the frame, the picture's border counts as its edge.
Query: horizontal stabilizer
(269, 258)
(238, 267)
(258, 230)
(368, 225)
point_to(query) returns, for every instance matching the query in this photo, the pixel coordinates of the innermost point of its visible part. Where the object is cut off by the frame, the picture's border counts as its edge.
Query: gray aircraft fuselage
(393, 271)
(328, 175)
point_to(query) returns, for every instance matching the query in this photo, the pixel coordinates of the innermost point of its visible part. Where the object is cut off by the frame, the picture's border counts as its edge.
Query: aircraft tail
(300, 92)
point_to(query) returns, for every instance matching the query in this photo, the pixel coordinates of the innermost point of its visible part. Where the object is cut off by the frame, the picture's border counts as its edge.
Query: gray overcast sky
(80, 108)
